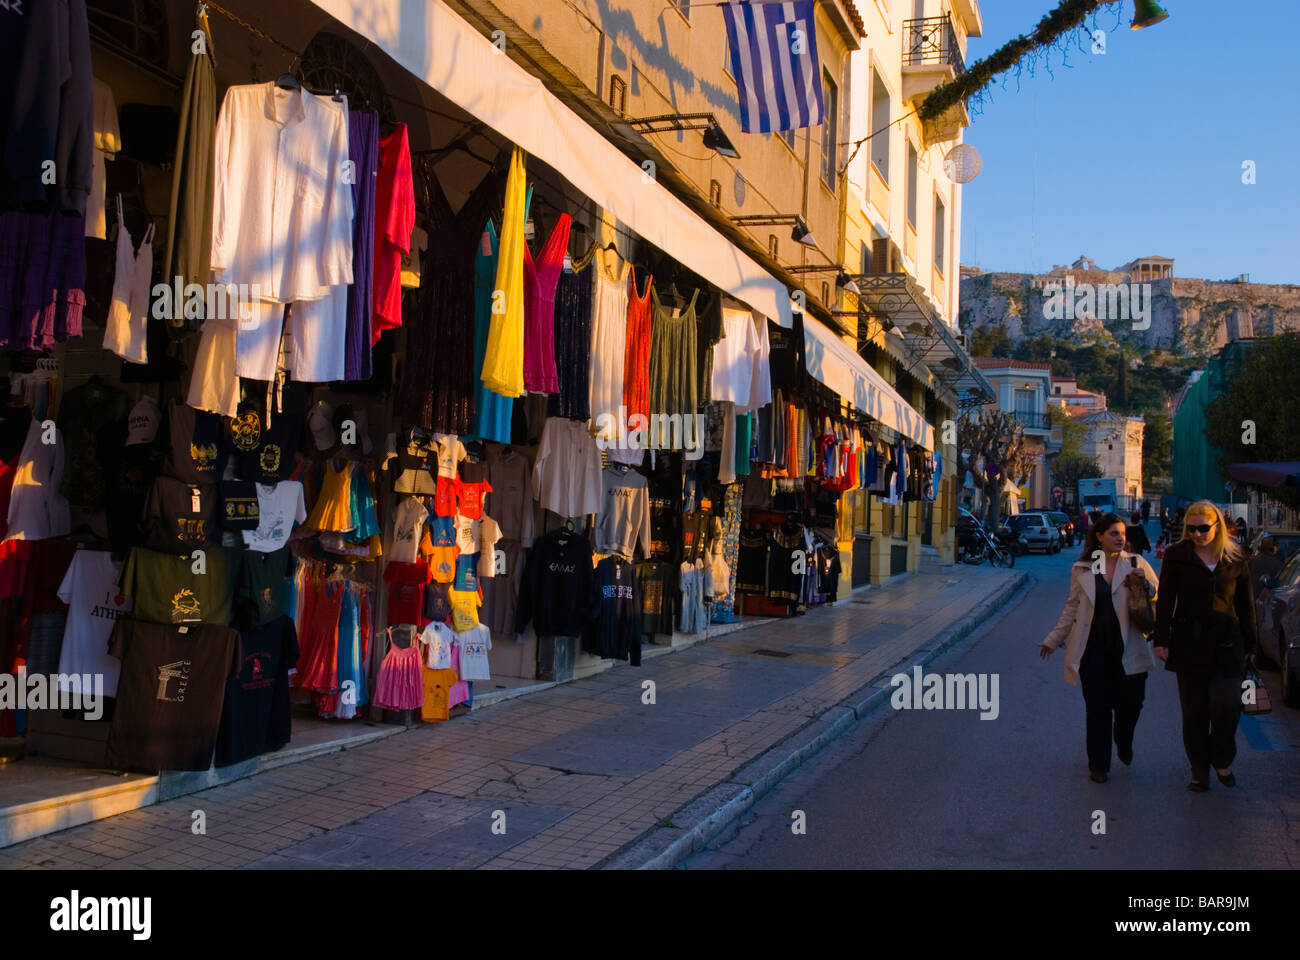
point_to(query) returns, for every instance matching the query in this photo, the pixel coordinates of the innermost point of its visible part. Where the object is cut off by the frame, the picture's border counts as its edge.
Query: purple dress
(363, 151)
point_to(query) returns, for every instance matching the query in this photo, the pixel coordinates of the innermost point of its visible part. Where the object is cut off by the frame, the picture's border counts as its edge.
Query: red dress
(318, 662)
(540, 279)
(636, 356)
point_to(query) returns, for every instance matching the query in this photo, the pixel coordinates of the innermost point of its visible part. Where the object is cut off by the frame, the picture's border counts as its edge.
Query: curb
(697, 823)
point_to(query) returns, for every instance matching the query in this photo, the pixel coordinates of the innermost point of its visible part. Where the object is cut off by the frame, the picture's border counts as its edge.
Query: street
(946, 789)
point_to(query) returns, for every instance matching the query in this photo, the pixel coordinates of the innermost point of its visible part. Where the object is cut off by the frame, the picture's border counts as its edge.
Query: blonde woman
(1205, 629)
(1103, 651)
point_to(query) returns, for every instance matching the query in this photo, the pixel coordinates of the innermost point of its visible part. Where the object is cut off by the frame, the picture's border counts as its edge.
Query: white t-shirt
(438, 639)
(450, 452)
(89, 588)
(473, 535)
(474, 645)
(280, 508)
(733, 357)
(411, 516)
(760, 385)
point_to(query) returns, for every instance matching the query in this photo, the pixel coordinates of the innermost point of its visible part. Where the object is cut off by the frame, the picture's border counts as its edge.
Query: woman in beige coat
(1103, 650)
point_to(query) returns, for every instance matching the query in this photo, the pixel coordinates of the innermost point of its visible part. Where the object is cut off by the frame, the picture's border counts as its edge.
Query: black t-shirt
(133, 475)
(266, 453)
(180, 517)
(169, 694)
(93, 421)
(263, 578)
(198, 454)
(255, 717)
(239, 509)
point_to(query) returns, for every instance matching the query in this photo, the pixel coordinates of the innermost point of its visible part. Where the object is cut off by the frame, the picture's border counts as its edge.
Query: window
(912, 172)
(880, 122)
(866, 256)
(1024, 405)
(715, 193)
(830, 130)
(940, 233)
(618, 95)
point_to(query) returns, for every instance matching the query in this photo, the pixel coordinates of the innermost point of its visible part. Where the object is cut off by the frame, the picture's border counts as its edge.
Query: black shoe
(1228, 779)
(1098, 776)
(1125, 756)
(1198, 786)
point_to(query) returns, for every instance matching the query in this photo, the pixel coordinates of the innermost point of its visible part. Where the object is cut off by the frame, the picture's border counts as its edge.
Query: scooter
(979, 546)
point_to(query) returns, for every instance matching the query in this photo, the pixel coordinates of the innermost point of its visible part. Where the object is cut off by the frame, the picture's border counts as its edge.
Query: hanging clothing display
(124, 330)
(615, 628)
(492, 411)
(363, 151)
(400, 684)
(624, 520)
(540, 278)
(394, 221)
(573, 331)
(556, 594)
(566, 476)
(255, 715)
(636, 363)
(608, 342)
(674, 384)
(36, 507)
(503, 363)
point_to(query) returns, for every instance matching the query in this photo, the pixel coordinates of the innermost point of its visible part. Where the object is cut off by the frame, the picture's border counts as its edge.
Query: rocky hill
(1187, 316)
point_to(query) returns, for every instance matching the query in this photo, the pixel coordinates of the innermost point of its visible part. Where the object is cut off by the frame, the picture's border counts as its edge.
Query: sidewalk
(581, 775)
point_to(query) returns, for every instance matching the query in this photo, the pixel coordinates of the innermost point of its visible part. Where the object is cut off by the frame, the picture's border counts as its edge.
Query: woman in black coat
(1205, 629)
(1138, 541)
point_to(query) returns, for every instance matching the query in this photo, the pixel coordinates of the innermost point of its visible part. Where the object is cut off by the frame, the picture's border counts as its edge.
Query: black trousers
(1211, 709)
(1113, 701)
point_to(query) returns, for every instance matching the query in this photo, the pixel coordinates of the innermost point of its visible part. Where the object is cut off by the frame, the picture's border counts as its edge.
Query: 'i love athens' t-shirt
(89, 588)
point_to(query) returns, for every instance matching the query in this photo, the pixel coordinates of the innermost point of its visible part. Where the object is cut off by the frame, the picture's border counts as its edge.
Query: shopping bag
(1263, 702)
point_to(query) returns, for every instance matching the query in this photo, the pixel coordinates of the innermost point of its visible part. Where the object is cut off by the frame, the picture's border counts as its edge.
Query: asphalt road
(947, 789)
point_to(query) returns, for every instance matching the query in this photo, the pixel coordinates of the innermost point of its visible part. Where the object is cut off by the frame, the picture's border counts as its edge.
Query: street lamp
(1147, 13)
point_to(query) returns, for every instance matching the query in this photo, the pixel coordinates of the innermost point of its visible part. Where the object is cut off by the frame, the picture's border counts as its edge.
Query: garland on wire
(1068, 15)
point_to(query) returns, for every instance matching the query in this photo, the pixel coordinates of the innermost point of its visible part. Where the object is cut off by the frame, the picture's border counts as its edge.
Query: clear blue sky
(1139, 152)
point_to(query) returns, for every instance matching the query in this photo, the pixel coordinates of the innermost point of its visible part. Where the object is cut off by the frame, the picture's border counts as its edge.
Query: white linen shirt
(282, 205)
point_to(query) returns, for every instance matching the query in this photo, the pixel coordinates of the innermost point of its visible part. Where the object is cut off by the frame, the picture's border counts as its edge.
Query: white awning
(833, 362)
(437, 46)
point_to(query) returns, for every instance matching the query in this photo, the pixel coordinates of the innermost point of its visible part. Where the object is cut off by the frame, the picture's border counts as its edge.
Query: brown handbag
(1140, 613)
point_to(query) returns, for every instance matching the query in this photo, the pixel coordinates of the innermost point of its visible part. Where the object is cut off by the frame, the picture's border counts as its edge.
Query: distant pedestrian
(1176, 526)
(1205, 630)
(1241, 531)
(1146, 511)
(1165, 520)
(1085, 521)
(1104, 652)
(1138, 541)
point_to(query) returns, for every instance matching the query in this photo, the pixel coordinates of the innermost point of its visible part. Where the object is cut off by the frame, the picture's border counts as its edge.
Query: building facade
(1023, 390)
(1115, 442)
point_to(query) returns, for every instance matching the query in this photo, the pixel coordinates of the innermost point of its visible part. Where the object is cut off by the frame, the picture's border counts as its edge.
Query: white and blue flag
(774, 61)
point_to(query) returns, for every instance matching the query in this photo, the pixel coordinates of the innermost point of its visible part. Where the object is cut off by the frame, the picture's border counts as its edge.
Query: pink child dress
(400, 685)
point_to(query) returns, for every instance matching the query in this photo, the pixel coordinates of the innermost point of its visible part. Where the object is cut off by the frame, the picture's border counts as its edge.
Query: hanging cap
(321, 424)
(142, 423)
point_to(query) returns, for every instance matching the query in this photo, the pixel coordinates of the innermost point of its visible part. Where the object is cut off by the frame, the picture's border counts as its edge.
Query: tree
(1157, 446)
(990, 341)
(1073, 432)
(991, 447)
(1253, 420)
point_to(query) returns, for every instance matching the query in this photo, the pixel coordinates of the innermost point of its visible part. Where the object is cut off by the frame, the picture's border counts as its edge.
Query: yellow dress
(333, 508)
(503, 361)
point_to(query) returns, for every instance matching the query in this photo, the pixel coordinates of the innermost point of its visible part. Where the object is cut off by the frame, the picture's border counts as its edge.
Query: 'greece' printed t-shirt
(280, 508)
(169, 696)
(89, 588)
(167, 589)
(474, 645)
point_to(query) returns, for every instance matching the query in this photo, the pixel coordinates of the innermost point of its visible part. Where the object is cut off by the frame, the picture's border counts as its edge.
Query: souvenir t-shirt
(169, 696)
(437, 602)
(263, 581)
(443, 550)
(405, 591)
(197, 455)
(239, 506)
(473, 535)
(472, 496)
(166, 588)
(407, 529)
(450, 453)
(464, 609)
(446, 501)
(474, 645)
(438, 639)
(180, 516)
(89, 588)
(265, 452)
(280, 507)
(255, 712)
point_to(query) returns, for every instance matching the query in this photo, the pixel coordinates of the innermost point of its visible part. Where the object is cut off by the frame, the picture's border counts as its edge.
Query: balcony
(931, 56)
(1033, 421)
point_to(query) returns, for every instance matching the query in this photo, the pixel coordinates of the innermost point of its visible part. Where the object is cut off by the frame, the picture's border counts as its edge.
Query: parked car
(1288, 542)
(1277, 611)
(1064, 526)
(1038, 531)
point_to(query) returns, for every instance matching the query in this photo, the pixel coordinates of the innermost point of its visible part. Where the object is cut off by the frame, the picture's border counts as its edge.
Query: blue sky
(1139, 151)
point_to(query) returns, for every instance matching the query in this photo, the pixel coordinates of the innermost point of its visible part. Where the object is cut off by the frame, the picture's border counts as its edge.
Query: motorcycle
(974, 546)
(1011, 541)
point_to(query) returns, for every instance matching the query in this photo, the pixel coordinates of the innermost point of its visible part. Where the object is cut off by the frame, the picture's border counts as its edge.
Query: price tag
(195, 506)
(486, 242)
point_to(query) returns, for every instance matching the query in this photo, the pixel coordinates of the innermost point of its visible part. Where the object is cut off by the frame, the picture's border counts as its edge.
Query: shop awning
(833, 362)
(437, 46)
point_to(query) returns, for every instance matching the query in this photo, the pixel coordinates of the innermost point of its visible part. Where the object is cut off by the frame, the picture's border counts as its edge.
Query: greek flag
(774, 61)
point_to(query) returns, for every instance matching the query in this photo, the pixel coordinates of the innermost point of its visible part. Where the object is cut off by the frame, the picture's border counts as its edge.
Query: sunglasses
(1201, 527)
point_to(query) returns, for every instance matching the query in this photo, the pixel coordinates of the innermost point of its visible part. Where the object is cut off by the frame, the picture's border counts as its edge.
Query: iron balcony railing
(931, 40)
(1034, 421)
